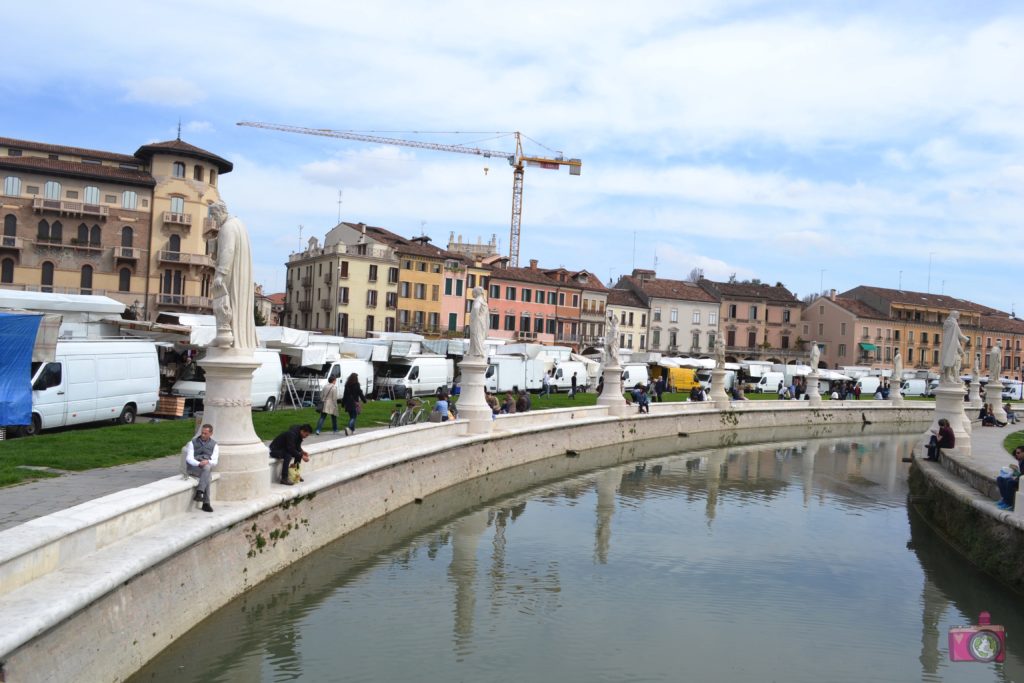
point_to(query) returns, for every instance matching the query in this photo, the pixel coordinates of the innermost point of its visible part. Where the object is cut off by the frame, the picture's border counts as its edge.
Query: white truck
(633, 374)
(564, 370)
(314, 381)
(408, 376)
(508, 372)
(94, 381)
(266, 381)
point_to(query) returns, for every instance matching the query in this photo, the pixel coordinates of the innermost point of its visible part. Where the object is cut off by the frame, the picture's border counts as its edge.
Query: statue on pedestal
(232, 283)
(995, 361)
(611, 341)
(897, 370)
(815, 356)
(478, 324)
(953, 341)
(719, 353)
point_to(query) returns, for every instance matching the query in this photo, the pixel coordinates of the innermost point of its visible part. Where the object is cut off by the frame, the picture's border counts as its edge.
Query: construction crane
(517, 160)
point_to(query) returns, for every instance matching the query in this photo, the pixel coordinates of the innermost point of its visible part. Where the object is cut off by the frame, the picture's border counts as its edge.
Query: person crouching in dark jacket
(287, 447)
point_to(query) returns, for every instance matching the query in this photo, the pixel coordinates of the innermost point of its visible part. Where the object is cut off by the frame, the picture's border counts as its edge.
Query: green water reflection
(796, 561)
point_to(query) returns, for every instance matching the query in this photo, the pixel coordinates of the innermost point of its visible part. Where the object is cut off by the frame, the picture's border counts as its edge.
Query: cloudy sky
(807, 143)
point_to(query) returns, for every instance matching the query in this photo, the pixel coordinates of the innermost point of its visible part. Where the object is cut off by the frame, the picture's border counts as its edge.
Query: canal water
(792, 561)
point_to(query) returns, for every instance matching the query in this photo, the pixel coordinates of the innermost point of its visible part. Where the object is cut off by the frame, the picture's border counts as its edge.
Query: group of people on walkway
(352, 400)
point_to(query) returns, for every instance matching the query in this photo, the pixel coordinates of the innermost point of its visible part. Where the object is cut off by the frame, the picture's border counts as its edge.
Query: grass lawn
(1013, 440)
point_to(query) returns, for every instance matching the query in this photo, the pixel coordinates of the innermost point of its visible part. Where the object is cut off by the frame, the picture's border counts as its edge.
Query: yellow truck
(679, 379)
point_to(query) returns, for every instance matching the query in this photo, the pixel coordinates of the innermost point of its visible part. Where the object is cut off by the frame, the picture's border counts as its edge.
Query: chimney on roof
(832, 294)
(643, 274)
(533, 264)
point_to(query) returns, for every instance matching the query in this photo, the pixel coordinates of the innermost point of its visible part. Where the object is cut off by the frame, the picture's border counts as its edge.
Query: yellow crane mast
(517, 160)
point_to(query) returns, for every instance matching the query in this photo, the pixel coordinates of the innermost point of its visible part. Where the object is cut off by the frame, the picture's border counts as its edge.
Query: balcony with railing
(49, 289)
(209, 225)
(126, 253)
(69, 208)
(10, 242)
(180, 257)
(174, 218)
(325, 304)
(86, 245)
(527, 336)
(307, 281)
(567, 337)
(306, 306)
(182, 301)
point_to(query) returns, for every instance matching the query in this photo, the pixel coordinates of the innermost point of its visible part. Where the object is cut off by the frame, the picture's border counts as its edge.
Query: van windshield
(395, 370)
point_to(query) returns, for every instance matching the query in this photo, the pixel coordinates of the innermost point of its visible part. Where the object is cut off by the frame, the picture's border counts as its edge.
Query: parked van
(1012, 390)
(562, 380)
(868, 385)
(310, 380)
(634, 373)
(266, 381)
(914, 387)
(93, 381)
(415, 376)
(769, 383)
(704, 377)
(679, 379)
(508, 372)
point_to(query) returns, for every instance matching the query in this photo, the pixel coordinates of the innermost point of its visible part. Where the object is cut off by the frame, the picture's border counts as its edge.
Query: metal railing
(167, 256)
(126, 252)
(173, 218)
(182, 300)
(75, 208)
(11, 242)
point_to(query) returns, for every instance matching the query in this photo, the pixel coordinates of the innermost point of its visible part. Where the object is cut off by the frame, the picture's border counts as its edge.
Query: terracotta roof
(750, 290)
(624, 297)
(184, 149)
(76, 169)
(62, 149)
(1002, 323)
(402, 245)
(671, 289)
(592, 284)
(537, 277)
(898, 296)
(277, 299)
(858, 308)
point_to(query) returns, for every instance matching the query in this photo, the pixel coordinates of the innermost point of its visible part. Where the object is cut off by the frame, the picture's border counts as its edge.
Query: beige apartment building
(347, 287)
(131, 227)
(759, 321)
(631, 313)
(683, 316)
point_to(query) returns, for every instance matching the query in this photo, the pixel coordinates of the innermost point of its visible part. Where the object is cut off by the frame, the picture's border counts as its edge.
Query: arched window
(86, 281)
(174, 243)
(46, 279)
(129, 200)
(91, 194)
(197, 172)
(95, 236)
(177, 205)
(83, 234)
(10, 225)
(51, 190)
(43, 233)
(178, 170)
(124, 280)
(127, 234)
(56, 232)
(7, 271)
(213, 177)
(12, 186)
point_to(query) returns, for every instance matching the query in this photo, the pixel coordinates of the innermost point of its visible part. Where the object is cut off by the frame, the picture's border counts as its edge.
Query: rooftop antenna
(340, 193)
(179, 128)
(300, 237)
(930, 254)
(634, 250)
(900, 288)
(423, 227)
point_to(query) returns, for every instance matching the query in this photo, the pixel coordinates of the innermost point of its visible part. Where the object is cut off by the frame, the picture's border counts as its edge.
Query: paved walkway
(18, 504)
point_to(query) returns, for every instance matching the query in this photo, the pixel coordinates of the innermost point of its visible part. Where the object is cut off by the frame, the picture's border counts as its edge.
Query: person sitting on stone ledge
(944, 438)
(1011, 416)
(287, 447)
(1008, 480)
(201, 455)
(988, 418)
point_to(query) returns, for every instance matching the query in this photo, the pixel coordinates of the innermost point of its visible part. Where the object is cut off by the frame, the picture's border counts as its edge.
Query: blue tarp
(17, 337)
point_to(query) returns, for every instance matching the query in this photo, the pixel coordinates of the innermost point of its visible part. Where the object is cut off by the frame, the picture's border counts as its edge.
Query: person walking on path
(572, 391)
(1008, 480)
(545, 383)
(201, 455)
(287, 447)
(329, 405)
(352, 400)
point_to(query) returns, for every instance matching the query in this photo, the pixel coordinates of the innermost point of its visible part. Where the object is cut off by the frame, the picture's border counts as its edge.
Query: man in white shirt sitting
(200, 458)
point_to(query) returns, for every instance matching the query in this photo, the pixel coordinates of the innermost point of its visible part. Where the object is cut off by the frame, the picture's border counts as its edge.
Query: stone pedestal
(813, 393)
(895, 392)
(472, 402)
(243, 464)
(994, 397)
(949, 404)
(974, 395)
(718, 395)
(611, 395)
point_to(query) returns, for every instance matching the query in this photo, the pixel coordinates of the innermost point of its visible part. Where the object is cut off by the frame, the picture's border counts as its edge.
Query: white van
(634, 373)
(266, 381)
(868, 385)
(307, 379)
(415, 376)
(914, 387)
(769, 383)
(562, 380)
(93, 381)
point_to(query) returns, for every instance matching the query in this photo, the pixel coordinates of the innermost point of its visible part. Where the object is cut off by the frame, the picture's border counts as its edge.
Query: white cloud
(170, 91)
(198, 127)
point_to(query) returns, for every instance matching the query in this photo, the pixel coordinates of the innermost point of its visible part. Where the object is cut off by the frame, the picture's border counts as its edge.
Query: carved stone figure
(611, 341)
(719, 353)
(953, 341)
(995, 361)
(815, 355)
(478, 324)
(897, 370)
(232, 283)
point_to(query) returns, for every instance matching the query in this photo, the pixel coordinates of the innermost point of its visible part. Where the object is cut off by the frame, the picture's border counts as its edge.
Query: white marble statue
(611, 341)
(815, 355)
(953, 340)
(478, 324)
(719, 353)
(995, 361)
(232, 283)
(976, 370)
(897, 371)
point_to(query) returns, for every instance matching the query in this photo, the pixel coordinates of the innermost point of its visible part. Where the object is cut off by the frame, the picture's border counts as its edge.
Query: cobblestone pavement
(18, 504)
